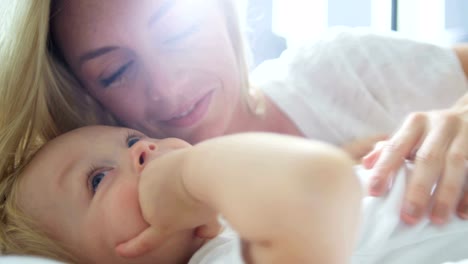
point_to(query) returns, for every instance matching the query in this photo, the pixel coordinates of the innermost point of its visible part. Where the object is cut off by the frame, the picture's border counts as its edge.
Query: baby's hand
(168, 207)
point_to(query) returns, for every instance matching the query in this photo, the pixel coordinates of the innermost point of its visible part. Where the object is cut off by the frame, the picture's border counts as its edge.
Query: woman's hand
(437, 141)
(358, 148)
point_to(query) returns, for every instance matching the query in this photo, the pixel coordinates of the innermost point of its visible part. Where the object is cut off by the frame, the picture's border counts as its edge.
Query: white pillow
(26, 260)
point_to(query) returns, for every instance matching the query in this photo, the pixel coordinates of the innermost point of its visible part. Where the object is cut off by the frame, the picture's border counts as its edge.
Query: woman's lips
(192, 115)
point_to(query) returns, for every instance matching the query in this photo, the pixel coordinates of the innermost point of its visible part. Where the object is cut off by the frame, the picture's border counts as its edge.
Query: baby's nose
(142, 152)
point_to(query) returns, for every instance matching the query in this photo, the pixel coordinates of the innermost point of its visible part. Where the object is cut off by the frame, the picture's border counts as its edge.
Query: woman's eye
(182, 35)
(131, 141)
(116, 76)
(96, 180)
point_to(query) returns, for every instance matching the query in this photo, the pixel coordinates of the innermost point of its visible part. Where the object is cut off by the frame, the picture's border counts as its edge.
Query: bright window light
(381, 15)
(297, 20)
(423, 20)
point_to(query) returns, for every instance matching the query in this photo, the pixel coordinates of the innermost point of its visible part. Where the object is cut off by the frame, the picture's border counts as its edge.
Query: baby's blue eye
(96, 180)
(132, 141)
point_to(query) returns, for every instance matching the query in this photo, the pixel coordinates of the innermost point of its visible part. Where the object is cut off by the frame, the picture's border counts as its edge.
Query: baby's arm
(291, 200)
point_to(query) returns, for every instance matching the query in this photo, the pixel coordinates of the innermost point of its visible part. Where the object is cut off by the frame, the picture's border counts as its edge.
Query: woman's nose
(142, 152)
(165, 80)
(160, 81)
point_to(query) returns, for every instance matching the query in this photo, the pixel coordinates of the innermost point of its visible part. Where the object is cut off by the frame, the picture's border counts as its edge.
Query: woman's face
(165, 67)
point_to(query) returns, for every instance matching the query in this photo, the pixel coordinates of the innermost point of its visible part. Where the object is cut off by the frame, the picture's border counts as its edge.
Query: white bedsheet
(25, 260)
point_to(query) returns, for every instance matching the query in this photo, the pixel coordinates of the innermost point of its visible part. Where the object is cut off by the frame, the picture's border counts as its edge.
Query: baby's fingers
(394, 152)
(147, 240)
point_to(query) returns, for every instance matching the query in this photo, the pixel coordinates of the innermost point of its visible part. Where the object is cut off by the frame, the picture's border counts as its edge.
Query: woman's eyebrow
(163, 9)
(96, 53)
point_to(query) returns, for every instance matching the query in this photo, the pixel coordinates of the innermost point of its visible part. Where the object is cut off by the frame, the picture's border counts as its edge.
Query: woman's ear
(141, 244)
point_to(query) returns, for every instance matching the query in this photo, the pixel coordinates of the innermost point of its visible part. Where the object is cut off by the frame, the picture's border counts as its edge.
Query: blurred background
(273, 25)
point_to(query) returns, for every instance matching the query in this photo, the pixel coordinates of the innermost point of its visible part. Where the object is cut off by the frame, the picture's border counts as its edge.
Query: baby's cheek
(124, 216)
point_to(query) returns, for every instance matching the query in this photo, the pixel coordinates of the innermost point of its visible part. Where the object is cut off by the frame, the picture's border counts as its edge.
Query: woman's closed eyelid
(116, 75)
(182, 34)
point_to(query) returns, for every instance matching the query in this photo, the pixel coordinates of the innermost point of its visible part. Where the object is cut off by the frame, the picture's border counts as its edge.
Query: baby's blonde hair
(19, 234)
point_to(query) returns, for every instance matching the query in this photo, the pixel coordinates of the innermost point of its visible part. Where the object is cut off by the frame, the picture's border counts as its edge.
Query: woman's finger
(462, 208)
(360, 147)
(450, 186)
(394, 152)
(429, 165)
(368, 161)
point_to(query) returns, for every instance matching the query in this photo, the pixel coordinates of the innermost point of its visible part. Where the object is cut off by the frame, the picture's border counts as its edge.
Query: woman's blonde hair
(251, 95)
(37, 103)
(40, 99)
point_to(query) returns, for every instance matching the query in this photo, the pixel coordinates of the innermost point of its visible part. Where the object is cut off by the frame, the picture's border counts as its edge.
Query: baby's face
(82, 189)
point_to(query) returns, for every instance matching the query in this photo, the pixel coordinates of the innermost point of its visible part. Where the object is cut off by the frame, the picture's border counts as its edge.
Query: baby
(112, 195)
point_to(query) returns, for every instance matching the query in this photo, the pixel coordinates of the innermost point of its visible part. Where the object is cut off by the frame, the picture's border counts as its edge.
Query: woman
(177, 68)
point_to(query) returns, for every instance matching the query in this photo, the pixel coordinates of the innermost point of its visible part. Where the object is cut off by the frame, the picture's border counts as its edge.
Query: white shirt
(352, 84)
